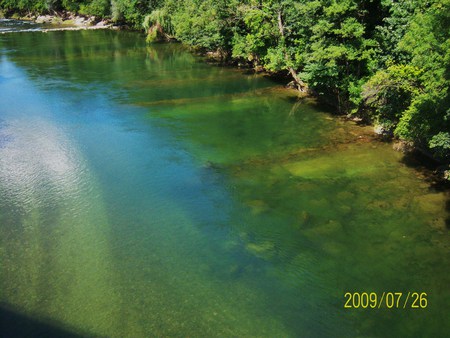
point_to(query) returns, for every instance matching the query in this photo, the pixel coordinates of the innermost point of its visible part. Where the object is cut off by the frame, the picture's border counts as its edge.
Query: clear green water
(147, 193)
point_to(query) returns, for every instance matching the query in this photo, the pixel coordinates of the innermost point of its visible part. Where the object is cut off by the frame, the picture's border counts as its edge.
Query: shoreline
(59, 22)
(55, 29)
(68, 21)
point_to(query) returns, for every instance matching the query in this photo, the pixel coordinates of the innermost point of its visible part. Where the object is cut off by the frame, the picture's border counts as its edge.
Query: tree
(339, 50)
(269, 35)
(428, 42)
(389, 93)
(201, 24)
(391, 30)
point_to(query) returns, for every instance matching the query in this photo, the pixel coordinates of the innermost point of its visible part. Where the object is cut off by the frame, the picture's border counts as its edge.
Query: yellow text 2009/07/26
(387, 300)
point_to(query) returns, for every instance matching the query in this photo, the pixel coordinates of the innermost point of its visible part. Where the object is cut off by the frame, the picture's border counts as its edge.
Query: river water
(144, 192)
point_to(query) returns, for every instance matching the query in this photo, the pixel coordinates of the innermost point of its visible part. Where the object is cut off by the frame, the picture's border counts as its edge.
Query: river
(145, 192)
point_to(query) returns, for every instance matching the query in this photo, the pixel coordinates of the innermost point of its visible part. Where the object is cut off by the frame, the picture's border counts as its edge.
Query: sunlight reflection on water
(38, 158)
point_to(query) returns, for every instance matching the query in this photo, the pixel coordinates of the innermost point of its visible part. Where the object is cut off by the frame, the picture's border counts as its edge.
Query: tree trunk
(301, 86)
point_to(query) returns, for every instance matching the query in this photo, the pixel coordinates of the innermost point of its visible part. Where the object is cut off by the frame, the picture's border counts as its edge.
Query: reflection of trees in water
(49, 53)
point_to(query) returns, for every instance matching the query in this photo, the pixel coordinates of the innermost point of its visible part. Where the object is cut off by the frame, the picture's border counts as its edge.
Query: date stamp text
(386, 300)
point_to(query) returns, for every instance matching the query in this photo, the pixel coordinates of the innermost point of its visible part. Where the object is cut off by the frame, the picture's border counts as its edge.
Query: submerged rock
(302, 220)
(438, 223)
(431, 203)
(210, 165)
(257, 206)
(333, 248)
(345, 209)
(262, 250)
(330, 228)
(345, 195)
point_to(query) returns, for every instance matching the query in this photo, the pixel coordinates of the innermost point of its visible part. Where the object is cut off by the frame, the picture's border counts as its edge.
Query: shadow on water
(14, 324)
(426, 167)
(418, 160)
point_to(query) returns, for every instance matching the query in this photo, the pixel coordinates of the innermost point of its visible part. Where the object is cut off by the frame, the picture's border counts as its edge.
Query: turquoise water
(147, 193)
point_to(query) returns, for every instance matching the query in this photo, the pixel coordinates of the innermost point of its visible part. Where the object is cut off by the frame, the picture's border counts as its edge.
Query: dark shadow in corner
(17, 325)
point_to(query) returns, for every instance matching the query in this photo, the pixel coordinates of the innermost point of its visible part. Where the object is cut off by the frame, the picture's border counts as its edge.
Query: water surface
(147, 193)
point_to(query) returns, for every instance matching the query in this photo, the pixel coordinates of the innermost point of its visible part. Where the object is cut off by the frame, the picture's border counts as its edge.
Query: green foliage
(152, 36)
(132, 12)
(71, 5)
(339, 50)
(158, 17)
(392, 29)
(412, 97)
(440, 143)
(256, 35)
(27, 6)
(99, 8)
(389, 93)
(388, 59)
(200, 23)
(428, 43)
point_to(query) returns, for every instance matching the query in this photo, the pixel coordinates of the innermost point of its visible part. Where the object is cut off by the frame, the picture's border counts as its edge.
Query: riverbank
(437, 170)
(70, 21)
(58, 22)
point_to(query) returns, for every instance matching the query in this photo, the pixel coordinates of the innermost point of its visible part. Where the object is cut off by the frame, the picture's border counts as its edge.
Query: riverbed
(144, 192)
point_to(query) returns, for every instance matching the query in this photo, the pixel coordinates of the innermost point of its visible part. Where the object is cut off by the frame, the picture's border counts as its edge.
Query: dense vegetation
(387, 61)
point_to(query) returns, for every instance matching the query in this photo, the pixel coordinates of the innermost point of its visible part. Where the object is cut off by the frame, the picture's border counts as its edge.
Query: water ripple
(11, 25)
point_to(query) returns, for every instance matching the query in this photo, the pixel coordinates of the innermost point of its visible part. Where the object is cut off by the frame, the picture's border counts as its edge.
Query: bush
(389, 93)
(98, 8)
